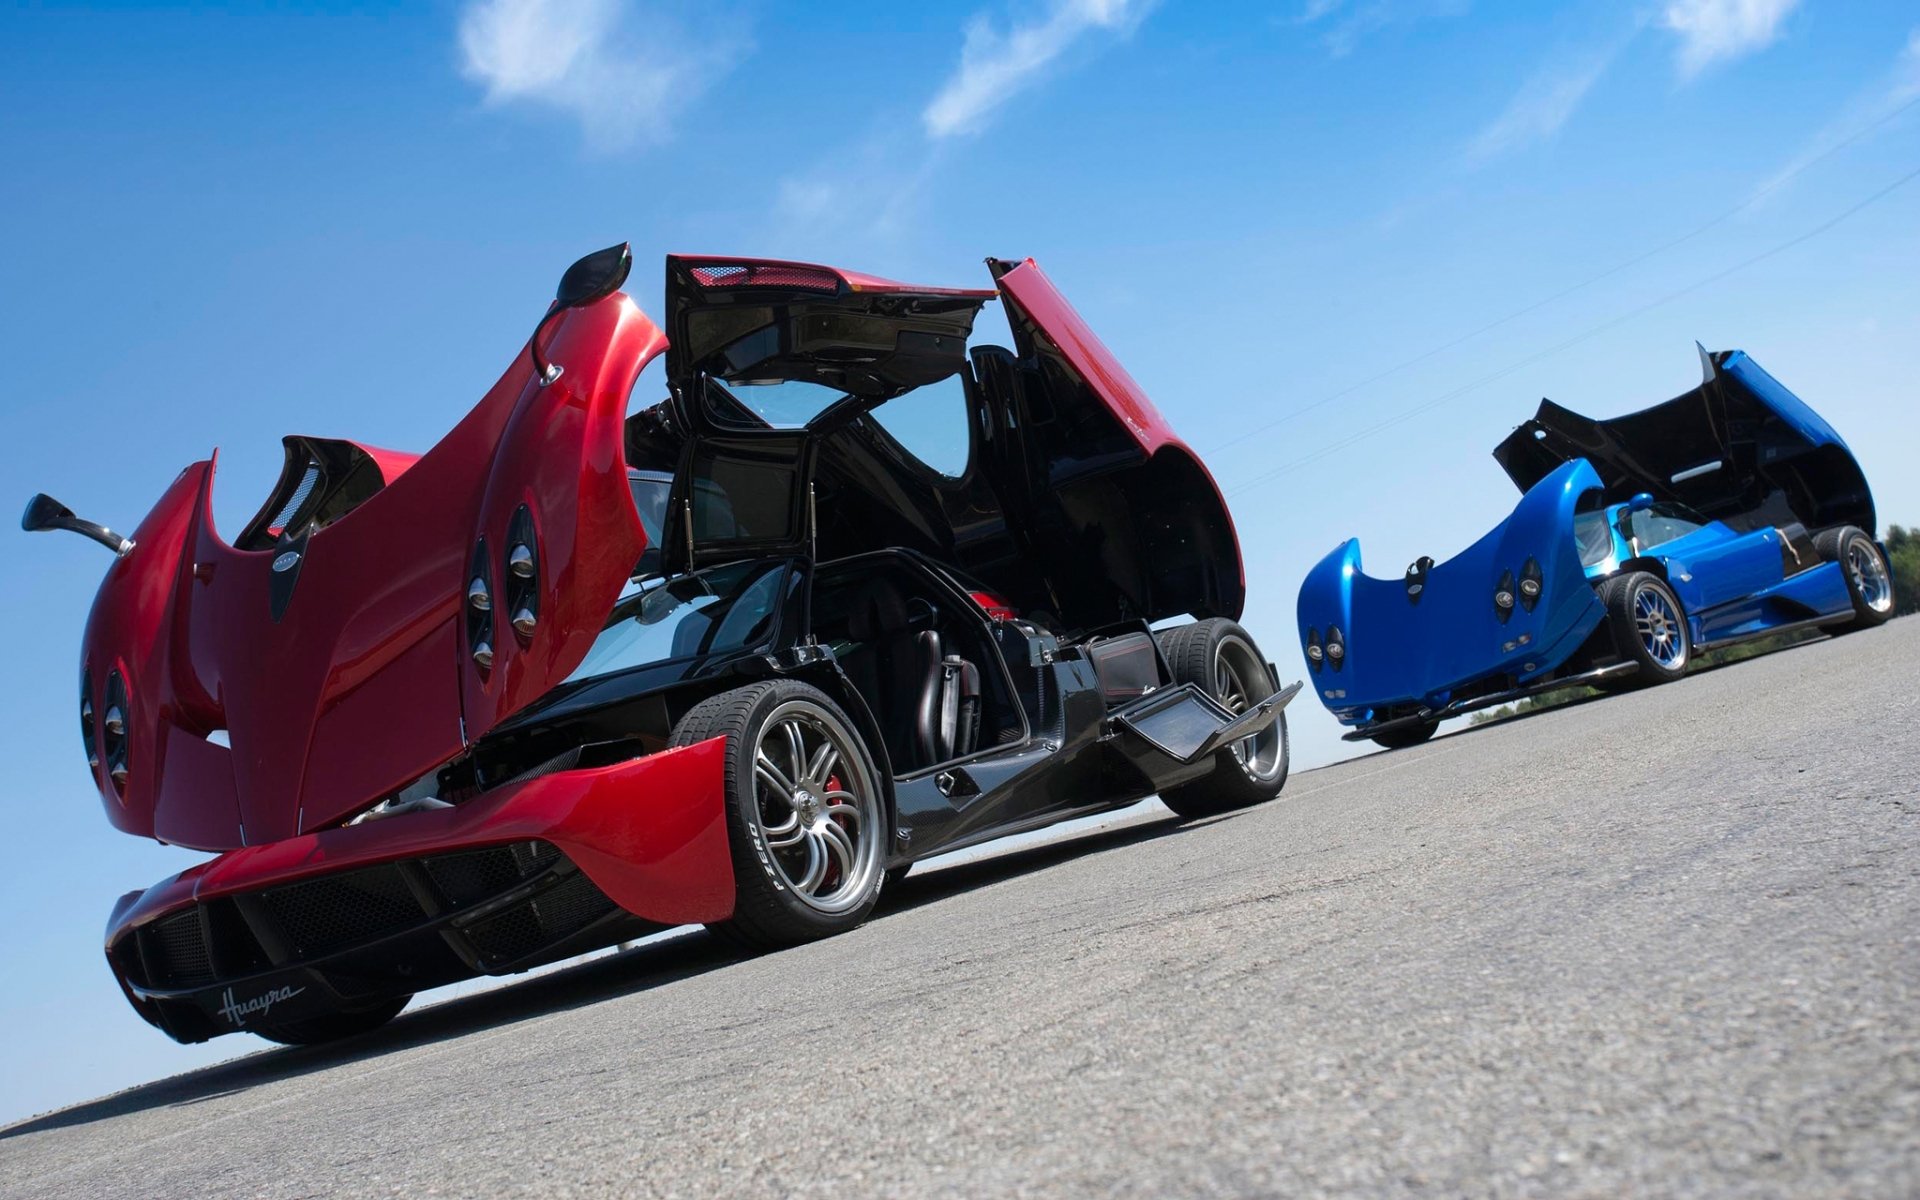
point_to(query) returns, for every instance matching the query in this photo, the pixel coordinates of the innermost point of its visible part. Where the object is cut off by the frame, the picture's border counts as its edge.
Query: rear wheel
(805, 818)
(1649, 627)
(331, 1027)
(1869, 583)
(1406, 735)
(1221, 658)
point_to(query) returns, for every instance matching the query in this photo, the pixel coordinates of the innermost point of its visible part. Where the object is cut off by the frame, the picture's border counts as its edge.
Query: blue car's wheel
(1649, 626)
(1869, 583)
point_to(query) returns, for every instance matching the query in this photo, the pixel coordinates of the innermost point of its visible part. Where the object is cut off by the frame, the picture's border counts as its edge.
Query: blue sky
(1336, 240)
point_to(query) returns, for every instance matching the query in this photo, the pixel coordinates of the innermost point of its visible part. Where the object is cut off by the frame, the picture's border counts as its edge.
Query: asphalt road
(1666, 944)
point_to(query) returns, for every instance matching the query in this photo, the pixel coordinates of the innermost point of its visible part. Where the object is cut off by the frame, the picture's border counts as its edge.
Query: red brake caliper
(833, 868)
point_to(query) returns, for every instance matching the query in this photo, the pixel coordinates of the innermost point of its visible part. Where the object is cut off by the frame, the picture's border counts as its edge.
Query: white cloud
(588, 59)
(1873, 107)
(995, 65)
(1906, 77)
(1542, 105)
(1356, 23)
(1714, 30)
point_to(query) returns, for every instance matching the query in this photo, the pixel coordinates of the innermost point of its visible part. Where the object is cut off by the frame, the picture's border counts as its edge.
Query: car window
(1665, 523)
(650, 490)
(931, 423)
(744, 492)
(1595, 540)
(715, 611)
(774, 404)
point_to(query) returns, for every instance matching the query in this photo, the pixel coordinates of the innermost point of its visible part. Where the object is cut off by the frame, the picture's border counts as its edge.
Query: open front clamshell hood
(335, 658)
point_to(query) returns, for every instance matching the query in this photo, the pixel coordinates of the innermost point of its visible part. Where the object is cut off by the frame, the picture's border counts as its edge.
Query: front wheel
(1649, 627)
(805, 817)
(1869, 583)
(1222, 660)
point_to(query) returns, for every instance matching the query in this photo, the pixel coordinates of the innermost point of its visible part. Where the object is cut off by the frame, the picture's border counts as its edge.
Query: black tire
(1869, 582)
(331, 1027)
(772, 909)
(1658, 641)
(1195, 653)
(1406, 736)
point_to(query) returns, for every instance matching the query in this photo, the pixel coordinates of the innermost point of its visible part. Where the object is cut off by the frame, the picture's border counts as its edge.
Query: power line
(1594, 332)
(1772, 186)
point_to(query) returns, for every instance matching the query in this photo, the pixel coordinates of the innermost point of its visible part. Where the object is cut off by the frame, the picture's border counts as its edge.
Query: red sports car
(577, 673)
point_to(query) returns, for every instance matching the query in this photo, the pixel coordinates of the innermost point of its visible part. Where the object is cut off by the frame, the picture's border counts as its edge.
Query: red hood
(362, 682)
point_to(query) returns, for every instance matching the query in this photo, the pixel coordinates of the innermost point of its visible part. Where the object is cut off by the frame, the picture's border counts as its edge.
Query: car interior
(918, 657)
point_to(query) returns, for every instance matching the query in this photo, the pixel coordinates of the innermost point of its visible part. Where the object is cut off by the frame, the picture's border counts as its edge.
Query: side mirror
(44, 512)
(597, 275)
(1641, 502)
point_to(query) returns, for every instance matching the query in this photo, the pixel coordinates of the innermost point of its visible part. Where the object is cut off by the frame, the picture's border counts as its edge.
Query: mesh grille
(341, 910)
(335, 912)
(559, 912)
(571, 907)
(299, 497)
(513, 934)
(182, 951)
(732, 275)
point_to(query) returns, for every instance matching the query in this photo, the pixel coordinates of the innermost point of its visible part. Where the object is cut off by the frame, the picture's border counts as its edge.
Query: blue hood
(1740, 448)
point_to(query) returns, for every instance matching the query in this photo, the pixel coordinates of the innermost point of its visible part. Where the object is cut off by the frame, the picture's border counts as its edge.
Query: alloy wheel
(1869, 574)
(819, 813)
(1658, 622)
(1239, 679)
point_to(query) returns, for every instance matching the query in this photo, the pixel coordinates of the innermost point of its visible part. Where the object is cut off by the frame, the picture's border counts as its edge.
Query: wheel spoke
(840, 846)
(816, 865)
(846, 811)
(797, 748)
(765, 771)
(824, 761)
(787, 835)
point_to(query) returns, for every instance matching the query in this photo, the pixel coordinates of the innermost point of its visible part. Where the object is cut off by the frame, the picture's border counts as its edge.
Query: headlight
(113, 731)
(1531, 582)
(86, 722)
(523, 574)
(480, 610)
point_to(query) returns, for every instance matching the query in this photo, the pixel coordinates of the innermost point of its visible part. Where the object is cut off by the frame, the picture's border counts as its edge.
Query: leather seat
(947, 722)
(927, 701)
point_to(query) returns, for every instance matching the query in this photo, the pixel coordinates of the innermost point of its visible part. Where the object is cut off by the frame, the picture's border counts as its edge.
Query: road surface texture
(1664, 944)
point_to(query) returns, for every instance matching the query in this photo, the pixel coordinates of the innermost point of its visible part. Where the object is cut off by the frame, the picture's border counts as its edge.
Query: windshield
(1664, 522)
(1595, 540)
(703, 613)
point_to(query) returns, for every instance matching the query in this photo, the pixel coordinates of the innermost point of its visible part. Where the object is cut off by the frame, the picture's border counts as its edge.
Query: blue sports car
(1728, 513)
